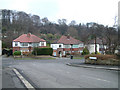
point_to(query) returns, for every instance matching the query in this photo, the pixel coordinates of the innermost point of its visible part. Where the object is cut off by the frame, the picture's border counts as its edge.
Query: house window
(80, 45)
(24, 44)
(35, 44)
(16, 44)
(67, 46)
(75, 46)
(42, 43)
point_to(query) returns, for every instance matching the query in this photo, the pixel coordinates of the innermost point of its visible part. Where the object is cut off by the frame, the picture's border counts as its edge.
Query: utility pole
(95, 46)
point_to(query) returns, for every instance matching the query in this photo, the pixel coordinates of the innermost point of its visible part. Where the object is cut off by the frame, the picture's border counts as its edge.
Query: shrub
(67, 53)
(17, 53)
(94, 53)
(27, 53)
(85, 51)
(42, 51)
(100, 56)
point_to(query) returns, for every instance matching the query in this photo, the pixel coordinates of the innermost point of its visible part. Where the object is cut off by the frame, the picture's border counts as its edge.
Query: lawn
(78, 57)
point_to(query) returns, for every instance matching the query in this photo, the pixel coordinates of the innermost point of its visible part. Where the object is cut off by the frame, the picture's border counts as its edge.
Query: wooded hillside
(15, 23)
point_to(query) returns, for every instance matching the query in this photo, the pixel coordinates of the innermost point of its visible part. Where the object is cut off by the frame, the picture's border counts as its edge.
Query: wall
(55, 46)
(91, 48)
(19, 45)
(42, 42)
(13, 44)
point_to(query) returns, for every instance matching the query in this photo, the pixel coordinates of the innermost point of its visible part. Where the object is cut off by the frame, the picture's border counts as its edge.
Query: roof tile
(68, 40)
(28, 38)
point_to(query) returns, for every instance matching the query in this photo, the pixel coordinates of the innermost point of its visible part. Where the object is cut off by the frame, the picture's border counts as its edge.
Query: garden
(37, 53)
(101, 59)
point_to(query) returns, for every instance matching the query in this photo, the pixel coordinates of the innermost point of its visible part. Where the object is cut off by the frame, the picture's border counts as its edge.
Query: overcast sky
(82, 11)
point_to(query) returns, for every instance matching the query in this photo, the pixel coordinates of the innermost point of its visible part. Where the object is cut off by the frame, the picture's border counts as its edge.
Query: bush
(27, 53)
(100, 56)
(17, 53)
(8, 52)
(67, 53)
(85, 51)
(94, 53)
(42, 51)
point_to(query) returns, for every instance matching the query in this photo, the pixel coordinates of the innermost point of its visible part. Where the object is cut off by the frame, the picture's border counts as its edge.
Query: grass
(78, 57)
(34, 58)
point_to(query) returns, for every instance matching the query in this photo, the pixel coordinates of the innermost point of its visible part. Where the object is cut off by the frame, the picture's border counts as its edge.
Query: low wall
(103, 62)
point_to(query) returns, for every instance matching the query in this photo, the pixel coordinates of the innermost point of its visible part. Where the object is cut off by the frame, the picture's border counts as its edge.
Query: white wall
(19, 45)
(91, 47)
(43, 42)
(13, 44)
(55, 46)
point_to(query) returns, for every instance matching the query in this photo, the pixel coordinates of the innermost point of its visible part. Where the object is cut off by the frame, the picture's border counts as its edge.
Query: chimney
(28, 35)
(68, 36)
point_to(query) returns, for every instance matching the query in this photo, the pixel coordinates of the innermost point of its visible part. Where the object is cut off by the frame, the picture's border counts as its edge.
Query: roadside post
(71, 56)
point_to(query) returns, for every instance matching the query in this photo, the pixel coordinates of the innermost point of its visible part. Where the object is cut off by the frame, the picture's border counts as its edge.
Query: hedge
(17, 53)
(42, 51)
(85, 51)
(100, 56)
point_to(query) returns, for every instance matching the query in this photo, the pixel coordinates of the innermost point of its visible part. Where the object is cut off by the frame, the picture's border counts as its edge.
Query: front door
(60, 54)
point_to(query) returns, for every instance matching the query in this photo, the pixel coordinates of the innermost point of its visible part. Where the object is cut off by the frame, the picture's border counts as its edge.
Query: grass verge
(78, 57)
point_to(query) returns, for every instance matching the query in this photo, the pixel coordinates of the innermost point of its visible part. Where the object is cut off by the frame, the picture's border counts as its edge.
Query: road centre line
(96, 78)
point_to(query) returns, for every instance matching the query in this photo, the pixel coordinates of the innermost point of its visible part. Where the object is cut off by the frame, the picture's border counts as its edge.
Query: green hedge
(94, 52)
(85, 51)
(17, 53)
(42, 51)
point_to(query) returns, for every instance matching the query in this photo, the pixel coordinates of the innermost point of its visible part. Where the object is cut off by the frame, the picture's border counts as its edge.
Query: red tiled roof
(68, 40)
(28, 38)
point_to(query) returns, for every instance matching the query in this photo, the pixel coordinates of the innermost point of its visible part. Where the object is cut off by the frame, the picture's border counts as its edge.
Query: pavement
(9, 79)
(106, 67)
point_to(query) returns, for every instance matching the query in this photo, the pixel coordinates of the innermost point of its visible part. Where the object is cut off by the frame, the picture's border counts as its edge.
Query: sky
(82, 11)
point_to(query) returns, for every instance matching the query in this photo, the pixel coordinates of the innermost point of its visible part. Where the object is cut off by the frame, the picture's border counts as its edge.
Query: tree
(72, 23)
(85, 51)
(45, 21)
(62, 21)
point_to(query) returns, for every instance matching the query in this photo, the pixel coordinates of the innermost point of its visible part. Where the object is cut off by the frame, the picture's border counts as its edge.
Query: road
(56, 74)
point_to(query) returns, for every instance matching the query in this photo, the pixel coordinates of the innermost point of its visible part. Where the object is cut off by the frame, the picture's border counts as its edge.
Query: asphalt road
(56, 74)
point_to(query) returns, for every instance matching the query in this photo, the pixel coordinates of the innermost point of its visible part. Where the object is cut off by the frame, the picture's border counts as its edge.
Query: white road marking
(96, 78)
(25, 82)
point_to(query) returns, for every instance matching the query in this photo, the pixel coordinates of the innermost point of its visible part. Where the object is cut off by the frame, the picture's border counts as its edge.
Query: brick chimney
(28, 35)
(68, 36)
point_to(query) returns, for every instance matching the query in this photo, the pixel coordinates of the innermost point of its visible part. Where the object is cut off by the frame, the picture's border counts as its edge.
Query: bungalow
(26, 43)
(100, 45)
(67, 45)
